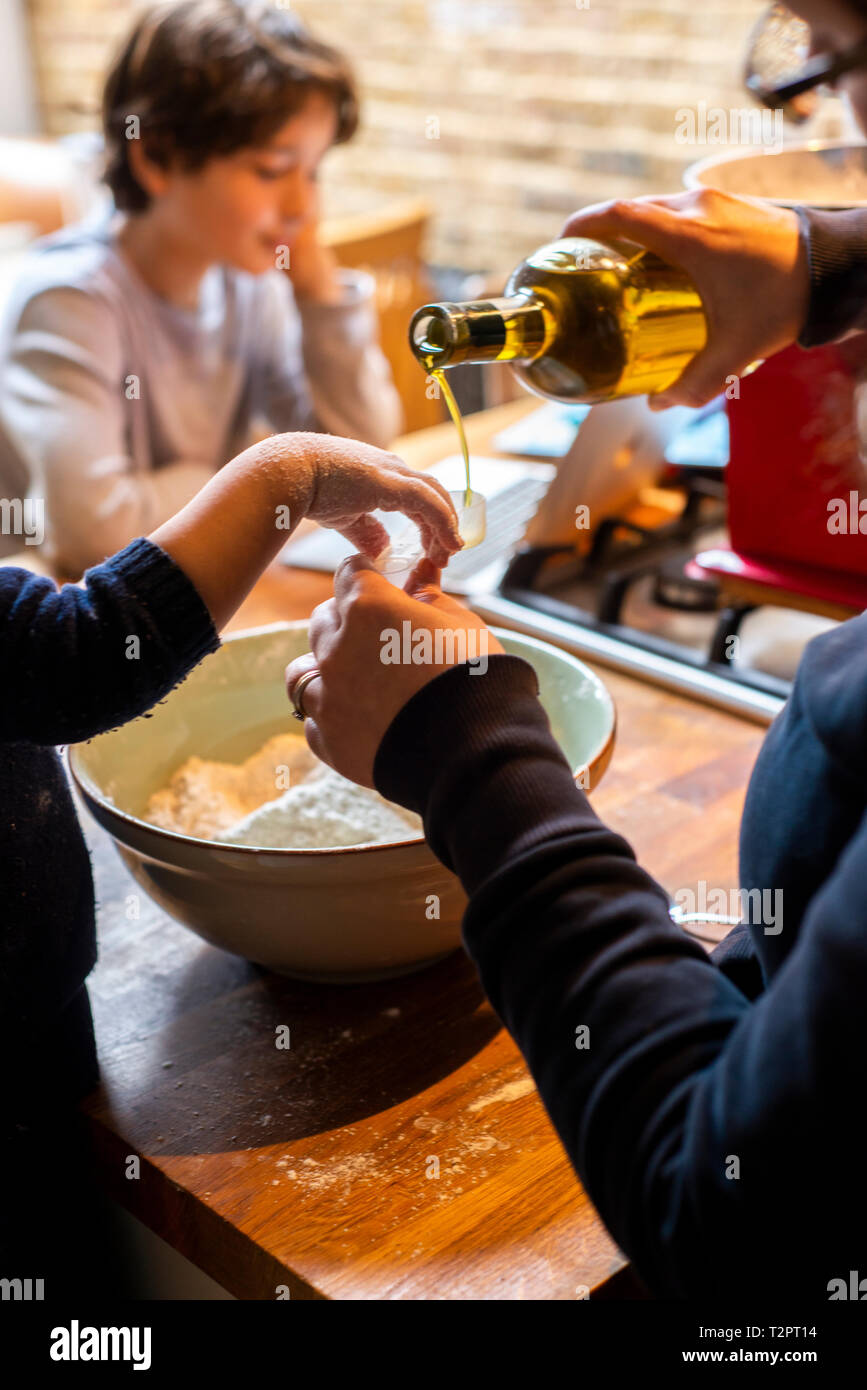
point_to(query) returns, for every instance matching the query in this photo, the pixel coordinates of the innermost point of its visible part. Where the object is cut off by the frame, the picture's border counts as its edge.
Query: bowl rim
(692, 173)
(96, 801)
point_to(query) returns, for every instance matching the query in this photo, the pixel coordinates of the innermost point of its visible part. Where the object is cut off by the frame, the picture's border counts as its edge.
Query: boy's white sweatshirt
(116, 405)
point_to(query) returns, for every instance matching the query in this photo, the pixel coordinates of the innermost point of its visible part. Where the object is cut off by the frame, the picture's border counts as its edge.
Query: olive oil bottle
(579, 321)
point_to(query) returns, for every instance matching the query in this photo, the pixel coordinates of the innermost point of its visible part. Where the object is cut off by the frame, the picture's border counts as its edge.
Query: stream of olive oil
(439, 376)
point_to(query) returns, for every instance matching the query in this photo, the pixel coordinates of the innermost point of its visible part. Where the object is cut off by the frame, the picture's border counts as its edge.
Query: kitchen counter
(307, 1168)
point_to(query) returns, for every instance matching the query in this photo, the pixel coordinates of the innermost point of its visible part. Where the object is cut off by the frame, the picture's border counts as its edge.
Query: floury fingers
(442, 646)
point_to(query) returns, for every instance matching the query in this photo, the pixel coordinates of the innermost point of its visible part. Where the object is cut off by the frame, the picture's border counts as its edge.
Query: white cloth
(118, 405)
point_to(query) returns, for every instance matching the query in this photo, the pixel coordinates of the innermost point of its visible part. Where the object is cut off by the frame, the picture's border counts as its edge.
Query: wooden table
(306, 1169)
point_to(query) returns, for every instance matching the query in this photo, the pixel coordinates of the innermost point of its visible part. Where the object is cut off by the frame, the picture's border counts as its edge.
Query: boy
(140, 346)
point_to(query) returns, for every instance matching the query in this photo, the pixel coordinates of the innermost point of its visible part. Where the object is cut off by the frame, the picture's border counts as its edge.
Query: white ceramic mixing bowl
(326, 914)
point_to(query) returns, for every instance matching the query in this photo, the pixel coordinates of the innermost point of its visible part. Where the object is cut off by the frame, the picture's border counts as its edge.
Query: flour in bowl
(204, 796)
(239, 803)
(324, 811)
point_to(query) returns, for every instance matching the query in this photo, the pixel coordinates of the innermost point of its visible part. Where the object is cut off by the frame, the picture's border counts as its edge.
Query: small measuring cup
(398, 560)
(471, 516)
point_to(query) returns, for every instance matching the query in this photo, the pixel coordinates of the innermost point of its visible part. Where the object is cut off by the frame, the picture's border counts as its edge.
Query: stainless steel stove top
(630, 607)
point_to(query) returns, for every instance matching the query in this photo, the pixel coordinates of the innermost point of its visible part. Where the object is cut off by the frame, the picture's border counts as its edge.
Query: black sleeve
(688, 1112)
(78, 661)
(735, 956)
(837, 258)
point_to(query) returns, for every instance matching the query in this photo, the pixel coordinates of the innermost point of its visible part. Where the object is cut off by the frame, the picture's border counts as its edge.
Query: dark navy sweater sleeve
(715, 1134)
(74, 662)
(78, 661)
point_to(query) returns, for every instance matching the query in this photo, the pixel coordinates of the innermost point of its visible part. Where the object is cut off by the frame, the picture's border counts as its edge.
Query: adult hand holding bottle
(747, 259)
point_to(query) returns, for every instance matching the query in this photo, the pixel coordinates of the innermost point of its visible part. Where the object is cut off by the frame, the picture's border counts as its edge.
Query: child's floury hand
(348, 480)
(234, 527)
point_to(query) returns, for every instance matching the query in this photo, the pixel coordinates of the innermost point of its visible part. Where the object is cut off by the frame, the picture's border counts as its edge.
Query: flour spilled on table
(460, 1147)
(513, 1090)
(235, 803)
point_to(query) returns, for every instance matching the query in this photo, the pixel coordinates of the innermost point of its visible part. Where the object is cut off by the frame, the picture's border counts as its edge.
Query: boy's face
(241, 208)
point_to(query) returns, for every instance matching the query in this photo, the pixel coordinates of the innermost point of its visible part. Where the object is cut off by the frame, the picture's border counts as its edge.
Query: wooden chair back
(390, 246)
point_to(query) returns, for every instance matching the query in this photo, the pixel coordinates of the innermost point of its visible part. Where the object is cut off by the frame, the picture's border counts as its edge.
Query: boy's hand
(357, 695)
(313, 268)
(229, 533)
(347, 480)
(747, 260)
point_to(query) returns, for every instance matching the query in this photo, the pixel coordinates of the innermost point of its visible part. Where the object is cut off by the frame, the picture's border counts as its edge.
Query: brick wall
(506, 114)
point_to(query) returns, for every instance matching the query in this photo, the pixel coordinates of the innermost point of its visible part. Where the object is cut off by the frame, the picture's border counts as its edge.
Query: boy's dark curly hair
(208, 77)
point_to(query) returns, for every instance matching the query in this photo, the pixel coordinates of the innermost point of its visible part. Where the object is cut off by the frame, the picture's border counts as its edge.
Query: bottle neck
(484, 330)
